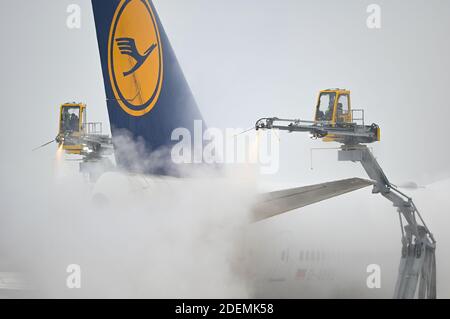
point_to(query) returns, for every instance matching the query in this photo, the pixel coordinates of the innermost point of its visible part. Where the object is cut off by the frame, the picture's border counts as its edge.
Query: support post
(418, 261)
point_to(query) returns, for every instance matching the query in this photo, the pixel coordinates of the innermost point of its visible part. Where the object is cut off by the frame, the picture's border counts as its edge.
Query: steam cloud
(153, 237)
(189, 238)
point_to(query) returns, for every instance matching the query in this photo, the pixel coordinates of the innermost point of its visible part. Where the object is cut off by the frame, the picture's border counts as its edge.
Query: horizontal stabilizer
(279, 202)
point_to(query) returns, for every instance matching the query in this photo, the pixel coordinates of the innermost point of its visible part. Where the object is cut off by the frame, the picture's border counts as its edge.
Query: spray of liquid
(59, 160)
(254, 149)
(155, 237)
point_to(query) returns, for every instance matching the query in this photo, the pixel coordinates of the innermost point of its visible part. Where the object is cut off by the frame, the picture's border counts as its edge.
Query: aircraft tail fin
(147, 94)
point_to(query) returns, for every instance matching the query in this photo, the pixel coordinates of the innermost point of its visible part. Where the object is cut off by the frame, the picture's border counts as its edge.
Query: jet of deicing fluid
(254, 148)
(59, 158)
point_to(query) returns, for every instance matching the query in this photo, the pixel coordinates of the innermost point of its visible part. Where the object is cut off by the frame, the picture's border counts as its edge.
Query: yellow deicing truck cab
(72, 121)
(334, 107)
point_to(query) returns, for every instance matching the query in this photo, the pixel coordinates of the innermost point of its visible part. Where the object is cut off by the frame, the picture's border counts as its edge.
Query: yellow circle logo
(135, 57)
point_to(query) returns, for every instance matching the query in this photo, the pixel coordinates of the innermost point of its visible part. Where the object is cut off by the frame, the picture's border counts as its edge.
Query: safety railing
(93, 128)
(360, 113)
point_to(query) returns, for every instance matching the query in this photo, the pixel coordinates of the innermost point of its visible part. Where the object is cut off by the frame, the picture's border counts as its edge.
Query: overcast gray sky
(247, 59)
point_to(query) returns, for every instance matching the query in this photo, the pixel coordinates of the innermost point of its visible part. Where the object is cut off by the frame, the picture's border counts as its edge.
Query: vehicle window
(70, 119)
(342, 108)
(325, 108)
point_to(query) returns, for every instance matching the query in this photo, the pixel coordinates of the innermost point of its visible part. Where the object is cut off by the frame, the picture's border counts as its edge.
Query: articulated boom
(334, 122)
(418, 244)
(345, 133)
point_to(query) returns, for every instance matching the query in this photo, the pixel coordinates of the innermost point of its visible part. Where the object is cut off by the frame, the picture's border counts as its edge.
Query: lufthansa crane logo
(135, 57)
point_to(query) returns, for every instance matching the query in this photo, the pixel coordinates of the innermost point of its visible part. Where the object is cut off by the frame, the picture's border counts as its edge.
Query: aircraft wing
(279, 202)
